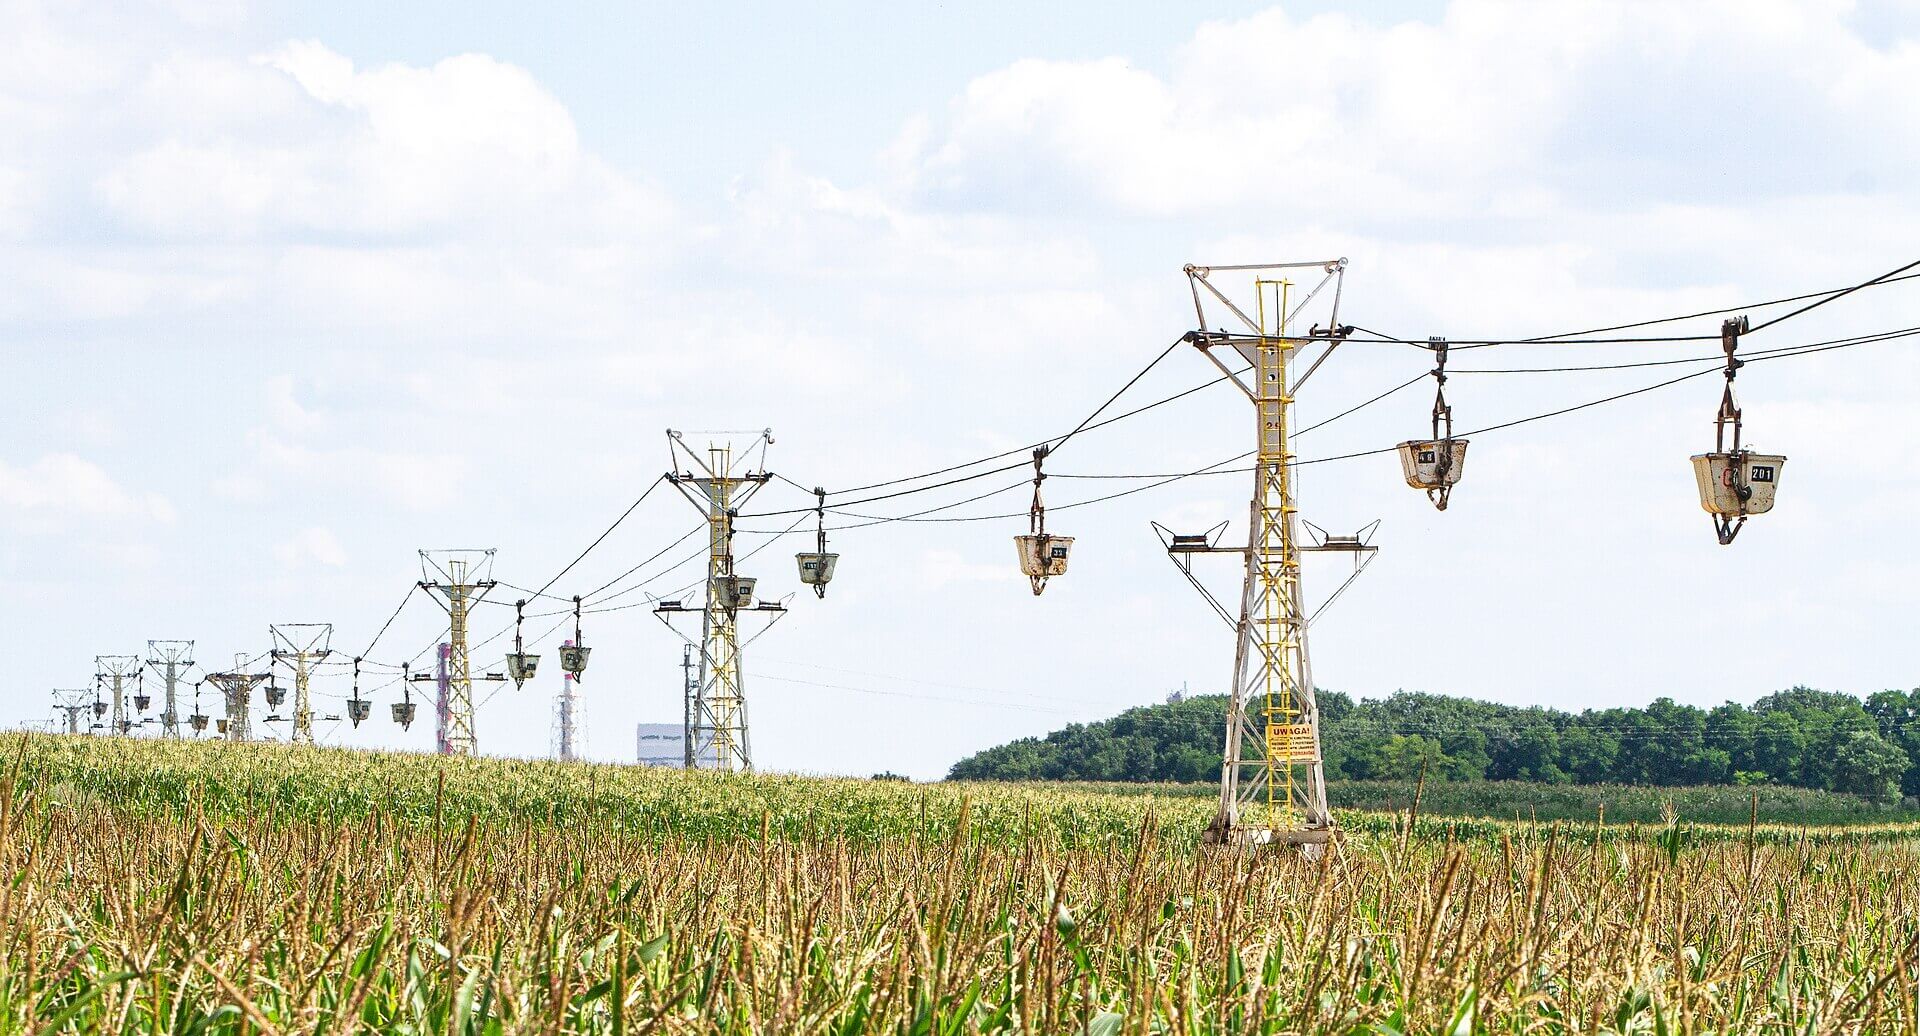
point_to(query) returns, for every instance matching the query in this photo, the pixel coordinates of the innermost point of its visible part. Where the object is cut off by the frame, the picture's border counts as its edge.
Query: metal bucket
(402, 713)
(275, 695)
(358, 709)
(198, 722)
(816, 569)
(141, 701)
(1420, 462)
(1714, 474)
(574, 658)
(221, 725)
(521, 666)
(1042, 556)
(737, 590)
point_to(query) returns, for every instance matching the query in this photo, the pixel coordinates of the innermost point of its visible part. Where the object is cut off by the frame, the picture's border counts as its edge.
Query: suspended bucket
(222, 727)
(521, 666)
(1420, 462)
(358, 709)
(198, 721)
(275, 695)
(1043, 556)
(403, 714)
(736, 590)
(573, 658)
(141, 701)
(99, 709)
(816, 569)
(1722, 476)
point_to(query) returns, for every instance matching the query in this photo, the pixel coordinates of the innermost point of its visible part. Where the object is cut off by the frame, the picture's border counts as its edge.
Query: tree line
(1799, 737)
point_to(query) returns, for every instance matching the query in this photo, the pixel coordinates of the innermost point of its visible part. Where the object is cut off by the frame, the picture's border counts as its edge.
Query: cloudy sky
(289, 293)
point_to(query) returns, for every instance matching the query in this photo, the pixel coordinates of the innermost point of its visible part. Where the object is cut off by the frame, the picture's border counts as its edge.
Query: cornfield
(164, 887)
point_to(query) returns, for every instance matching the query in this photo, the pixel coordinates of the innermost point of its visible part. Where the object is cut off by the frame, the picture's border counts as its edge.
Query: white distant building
(661, 744)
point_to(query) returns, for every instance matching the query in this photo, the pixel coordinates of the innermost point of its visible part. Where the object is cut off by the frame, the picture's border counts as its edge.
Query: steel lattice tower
(237, 686)
(116, 670)
(300, 645)
(566, 716)
(73, 703)
(170, 658)
(458, 579)
(1272, 752)
(717, 732)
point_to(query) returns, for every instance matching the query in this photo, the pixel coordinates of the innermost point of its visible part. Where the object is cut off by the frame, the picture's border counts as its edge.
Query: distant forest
(1800, 737)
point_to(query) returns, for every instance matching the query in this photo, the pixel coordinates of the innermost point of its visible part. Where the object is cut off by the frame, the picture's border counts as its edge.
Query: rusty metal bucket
(1720, 477)
(1420, 462)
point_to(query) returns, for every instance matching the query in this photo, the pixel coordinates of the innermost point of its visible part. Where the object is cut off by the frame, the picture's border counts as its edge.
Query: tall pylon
(1272, 752)
(298, 646)
(719, 484)
(73, 703)
(690, 699)
(458, 580)
(566, 716)
(115, 671)
(237, 687)
(170, 658)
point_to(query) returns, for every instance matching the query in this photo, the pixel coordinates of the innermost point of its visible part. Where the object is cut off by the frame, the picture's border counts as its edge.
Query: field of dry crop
(210, 888)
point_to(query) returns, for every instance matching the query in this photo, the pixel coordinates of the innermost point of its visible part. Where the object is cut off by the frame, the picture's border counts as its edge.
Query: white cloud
(300, 142)
(311, 546)
(59, 488)
(1497, 109)
(944, 569)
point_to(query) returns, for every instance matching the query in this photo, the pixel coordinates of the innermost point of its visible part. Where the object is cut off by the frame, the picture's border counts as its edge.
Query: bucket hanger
(820, 534)
(1037, 519)
(1726, 527)
(1442, 425)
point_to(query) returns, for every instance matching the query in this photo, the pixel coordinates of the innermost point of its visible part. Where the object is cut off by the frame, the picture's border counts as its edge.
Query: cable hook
(1037, 561)
(1724, 526)
(1442, 418)
(1037, 513)
(820, 536)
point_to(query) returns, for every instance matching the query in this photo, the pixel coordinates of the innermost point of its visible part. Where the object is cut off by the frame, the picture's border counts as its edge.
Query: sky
(291, 292)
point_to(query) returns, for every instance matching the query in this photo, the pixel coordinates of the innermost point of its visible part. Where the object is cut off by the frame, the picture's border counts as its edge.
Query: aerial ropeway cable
(1734, 481)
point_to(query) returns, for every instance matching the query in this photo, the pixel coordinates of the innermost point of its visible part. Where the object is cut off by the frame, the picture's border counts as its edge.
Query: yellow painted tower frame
(1272, 760)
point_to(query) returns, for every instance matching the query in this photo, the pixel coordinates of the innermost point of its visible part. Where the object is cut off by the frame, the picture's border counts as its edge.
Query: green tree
(1865, 764)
